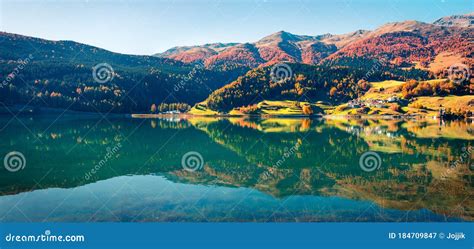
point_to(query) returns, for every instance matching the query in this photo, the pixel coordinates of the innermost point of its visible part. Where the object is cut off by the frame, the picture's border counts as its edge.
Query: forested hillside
(336, 82)
(60, 74)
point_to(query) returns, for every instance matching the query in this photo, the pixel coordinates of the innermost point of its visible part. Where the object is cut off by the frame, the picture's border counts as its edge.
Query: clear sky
(148, 27)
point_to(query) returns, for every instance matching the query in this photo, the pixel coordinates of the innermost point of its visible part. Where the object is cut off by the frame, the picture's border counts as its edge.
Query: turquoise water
(269, 170)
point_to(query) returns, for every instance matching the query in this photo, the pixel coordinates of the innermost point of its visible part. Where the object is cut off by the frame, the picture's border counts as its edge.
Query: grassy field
(388, 88)
(201, 109)
(345, 110)
(386, 84)
(283, 108)
(431, 105)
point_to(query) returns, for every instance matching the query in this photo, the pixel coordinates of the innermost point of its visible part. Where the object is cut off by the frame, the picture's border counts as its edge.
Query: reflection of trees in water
(331, 155)
(171, 123)
(244, 153)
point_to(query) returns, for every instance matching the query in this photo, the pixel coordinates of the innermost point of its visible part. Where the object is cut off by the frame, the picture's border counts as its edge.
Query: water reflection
(254, 170)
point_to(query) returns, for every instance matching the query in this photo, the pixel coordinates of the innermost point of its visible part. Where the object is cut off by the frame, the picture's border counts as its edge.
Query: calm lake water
(235, 169)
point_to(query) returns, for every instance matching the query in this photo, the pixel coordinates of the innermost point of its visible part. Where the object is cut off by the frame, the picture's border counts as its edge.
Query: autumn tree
(333, 91)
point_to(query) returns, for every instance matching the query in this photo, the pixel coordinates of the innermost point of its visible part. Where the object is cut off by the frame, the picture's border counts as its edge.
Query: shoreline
(267, 116)
(43, 111)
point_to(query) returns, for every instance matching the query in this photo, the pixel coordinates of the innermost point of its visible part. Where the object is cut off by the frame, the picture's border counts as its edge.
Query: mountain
(457, 20)
(433, 47)
(411, 43)
(241, 55)
(59, 74)
(277, 47)
(17, 47)
(402, 50)
(342, 40)
(194, 54)
(284, 46)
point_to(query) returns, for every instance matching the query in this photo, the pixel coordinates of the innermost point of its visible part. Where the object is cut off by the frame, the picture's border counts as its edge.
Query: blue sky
(148, 27)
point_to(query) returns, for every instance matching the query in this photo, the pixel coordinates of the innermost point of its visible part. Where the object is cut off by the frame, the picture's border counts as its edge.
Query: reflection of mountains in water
(282, 157)
(412, 176)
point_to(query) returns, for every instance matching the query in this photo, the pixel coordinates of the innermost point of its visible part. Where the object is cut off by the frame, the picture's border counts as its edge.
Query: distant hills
(327, 67)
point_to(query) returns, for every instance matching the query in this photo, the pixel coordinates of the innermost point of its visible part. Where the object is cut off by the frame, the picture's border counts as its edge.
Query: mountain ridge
(415, 43)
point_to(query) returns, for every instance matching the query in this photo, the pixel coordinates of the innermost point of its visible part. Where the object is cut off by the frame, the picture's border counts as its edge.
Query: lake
(80, 169)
